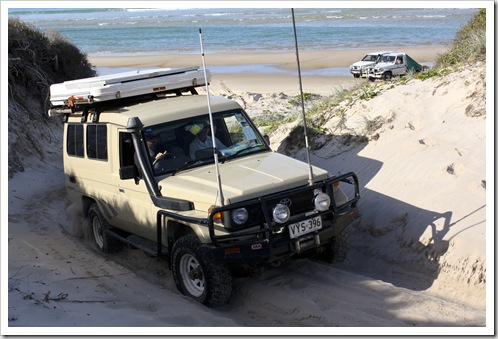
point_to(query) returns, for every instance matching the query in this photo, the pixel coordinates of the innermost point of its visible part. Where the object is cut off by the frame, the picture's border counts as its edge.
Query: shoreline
(310, 60)
(258, 78)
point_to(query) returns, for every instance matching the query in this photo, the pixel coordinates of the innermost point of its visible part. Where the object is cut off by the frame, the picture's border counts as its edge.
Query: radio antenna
(310, 177)
(215, 151)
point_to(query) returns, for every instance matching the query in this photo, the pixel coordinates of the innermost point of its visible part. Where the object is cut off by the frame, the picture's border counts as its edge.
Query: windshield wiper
(231, 156)
(196, 162)
(189, 164)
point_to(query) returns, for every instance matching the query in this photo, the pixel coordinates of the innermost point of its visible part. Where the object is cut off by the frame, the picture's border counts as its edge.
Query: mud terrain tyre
(387, 76)
(336, 250)
(98, 226)
(198, 277)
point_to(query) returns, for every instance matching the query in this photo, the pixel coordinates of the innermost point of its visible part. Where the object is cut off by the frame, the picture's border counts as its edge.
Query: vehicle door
(399, 65)
(135, 210)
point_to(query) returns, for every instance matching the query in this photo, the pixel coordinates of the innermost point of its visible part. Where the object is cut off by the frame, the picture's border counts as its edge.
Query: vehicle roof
(165, 109)
(376, 53)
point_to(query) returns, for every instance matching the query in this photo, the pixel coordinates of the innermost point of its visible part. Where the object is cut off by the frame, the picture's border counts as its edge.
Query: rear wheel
(98, 226)
(198, 277)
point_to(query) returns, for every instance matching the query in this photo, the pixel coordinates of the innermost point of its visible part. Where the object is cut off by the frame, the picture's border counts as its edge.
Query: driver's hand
(160, 155)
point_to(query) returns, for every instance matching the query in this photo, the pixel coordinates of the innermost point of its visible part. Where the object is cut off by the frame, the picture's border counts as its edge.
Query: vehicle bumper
(375, 75)
(280, 246)
(359, 73)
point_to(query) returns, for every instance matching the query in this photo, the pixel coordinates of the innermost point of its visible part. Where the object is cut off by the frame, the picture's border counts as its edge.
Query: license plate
(305, 227)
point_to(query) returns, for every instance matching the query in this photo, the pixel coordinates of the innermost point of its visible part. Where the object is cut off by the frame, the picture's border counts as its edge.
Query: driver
(203, 140)
(151, 139)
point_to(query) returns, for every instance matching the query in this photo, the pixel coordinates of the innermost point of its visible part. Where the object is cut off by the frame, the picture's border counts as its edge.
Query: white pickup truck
(393, 64)
(358, 69)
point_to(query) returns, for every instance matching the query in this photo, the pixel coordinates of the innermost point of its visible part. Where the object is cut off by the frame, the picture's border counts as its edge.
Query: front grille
(300, 202)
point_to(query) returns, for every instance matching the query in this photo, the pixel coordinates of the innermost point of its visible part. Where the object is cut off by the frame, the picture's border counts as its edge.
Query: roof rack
(111, 90)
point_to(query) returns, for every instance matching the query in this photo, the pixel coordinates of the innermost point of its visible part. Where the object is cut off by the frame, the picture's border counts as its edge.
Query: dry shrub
(36, 61)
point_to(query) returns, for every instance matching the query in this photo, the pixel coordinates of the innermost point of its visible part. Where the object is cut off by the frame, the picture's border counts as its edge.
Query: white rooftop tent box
(125, 84)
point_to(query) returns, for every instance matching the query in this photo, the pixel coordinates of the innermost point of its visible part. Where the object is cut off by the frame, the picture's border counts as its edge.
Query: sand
(418, 259)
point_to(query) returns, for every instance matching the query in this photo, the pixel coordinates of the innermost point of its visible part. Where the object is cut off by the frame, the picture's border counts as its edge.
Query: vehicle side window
(74, 140)
(127, 150)
(96, 138)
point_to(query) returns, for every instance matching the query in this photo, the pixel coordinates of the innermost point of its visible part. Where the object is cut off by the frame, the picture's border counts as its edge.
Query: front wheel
(388, 76)
(198, 277)
(337, 249)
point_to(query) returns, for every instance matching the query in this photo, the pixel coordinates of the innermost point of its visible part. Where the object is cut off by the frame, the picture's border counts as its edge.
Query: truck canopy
(413, 65)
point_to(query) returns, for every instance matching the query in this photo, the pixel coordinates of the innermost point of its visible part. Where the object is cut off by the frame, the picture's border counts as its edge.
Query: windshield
(187, 143)
(370, 57)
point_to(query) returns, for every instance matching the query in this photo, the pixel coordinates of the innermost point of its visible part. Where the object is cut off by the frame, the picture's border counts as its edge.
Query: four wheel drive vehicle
(393, 64)
(358, 69)
(131, 169)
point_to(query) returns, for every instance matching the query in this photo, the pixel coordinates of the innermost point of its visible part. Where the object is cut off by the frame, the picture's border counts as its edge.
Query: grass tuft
(469, 45)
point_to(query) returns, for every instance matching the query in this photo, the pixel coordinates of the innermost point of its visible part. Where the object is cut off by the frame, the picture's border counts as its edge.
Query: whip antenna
(215, 151)
(310, 178)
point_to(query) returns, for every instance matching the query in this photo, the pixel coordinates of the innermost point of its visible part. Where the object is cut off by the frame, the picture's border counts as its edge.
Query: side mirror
(267, 138)
(127, 172)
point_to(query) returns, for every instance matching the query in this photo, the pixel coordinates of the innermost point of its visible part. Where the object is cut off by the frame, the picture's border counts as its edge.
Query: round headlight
(322, 201)
(240, 216)
(281, 213)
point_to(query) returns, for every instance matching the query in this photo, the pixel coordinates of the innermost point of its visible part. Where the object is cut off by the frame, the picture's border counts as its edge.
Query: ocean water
(157, 31)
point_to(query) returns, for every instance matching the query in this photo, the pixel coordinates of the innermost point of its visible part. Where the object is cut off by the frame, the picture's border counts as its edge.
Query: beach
(418, 253)
(416, 265)
(259, 78)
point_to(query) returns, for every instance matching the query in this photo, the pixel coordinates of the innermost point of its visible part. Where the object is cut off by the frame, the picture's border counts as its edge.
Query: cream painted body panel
(242, 179)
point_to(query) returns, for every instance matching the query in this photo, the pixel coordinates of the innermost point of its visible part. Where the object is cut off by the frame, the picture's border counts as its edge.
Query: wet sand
(269, 72)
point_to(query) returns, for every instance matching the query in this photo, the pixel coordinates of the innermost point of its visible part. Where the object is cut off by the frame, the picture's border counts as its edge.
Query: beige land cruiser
(145, 172)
